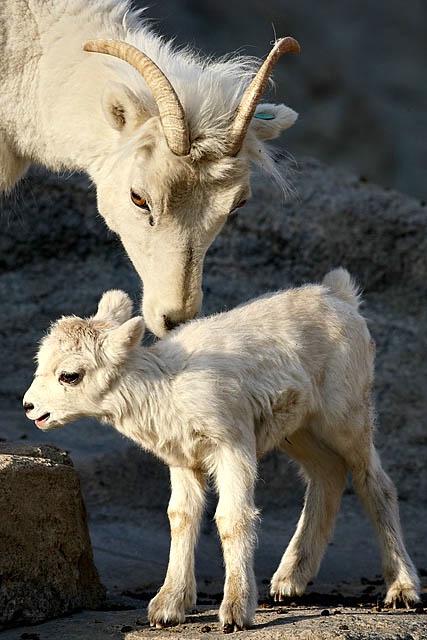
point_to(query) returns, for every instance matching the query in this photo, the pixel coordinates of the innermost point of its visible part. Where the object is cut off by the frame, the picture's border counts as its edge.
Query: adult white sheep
(290, 370)
(168, 169)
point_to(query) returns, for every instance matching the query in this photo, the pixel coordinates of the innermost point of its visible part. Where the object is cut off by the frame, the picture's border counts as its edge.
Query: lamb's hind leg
(326, 473)
(379, 498)
(178, 592)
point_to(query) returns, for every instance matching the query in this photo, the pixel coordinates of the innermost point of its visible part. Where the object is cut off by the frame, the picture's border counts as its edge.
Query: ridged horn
(253, 93)
(171, 112)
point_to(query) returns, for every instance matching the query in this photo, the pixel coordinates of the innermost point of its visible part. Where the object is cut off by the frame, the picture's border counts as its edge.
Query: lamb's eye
(239, 205)
(139, 201)
(70, 378)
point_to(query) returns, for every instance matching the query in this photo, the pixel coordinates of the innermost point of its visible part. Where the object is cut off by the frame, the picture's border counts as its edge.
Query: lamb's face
(78, 362)
(68, 379)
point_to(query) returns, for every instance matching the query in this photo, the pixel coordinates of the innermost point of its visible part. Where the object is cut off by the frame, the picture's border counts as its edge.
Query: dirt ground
(295, 622)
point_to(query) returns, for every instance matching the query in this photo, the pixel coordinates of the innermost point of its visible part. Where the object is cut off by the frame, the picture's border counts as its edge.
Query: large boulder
(46, 561)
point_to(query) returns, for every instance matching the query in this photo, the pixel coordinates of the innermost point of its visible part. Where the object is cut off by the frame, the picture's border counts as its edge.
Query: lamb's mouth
(40, 422)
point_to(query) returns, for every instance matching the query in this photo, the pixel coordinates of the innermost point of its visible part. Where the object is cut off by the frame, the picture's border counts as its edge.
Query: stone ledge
(46, 560)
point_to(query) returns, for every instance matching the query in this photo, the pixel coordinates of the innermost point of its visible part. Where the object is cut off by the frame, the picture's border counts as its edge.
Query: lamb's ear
(122, 108)
(271, 119)
(119, 341)
(114, 306)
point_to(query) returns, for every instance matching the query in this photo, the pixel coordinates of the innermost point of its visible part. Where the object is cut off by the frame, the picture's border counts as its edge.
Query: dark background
(359, 85)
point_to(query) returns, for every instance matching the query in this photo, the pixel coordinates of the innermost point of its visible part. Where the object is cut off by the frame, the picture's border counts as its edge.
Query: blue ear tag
(264, 116)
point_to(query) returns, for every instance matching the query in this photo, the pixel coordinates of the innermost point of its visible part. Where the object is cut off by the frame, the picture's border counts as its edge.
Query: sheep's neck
(56, 114)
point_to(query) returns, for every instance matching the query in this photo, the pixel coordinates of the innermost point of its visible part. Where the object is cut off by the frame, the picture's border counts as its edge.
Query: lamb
(166, 136)
(292, 370)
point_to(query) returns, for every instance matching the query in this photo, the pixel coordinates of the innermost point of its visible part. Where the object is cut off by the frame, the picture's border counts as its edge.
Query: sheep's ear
(271, 119)
(120, 341)
(114, 306)
(122, 108)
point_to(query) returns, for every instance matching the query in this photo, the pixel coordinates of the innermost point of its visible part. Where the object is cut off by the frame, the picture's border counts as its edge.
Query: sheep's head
(181, 170)
(78, 362)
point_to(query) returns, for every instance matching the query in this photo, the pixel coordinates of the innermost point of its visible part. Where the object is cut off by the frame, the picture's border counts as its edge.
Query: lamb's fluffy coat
(291, 370)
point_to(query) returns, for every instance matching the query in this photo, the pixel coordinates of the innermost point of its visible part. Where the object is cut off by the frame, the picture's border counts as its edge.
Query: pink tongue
(41, 421)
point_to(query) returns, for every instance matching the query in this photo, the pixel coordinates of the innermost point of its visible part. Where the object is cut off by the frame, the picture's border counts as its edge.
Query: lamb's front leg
(178, 592)
(235, 517)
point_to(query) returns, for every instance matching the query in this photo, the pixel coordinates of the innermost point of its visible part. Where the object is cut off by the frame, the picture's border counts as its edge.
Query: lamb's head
(79, 361)
(181, 165)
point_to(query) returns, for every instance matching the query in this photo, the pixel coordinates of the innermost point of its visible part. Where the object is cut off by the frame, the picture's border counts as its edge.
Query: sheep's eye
(70, 378)
(139, 201)
(239, 205)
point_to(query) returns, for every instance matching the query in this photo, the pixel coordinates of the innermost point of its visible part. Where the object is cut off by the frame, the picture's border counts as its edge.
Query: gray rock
(46, 561)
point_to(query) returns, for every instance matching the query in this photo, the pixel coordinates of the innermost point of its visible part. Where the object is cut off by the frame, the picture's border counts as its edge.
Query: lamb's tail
(339, 282)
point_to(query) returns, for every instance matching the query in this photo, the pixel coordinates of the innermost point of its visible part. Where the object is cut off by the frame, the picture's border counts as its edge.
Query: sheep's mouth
(40, 422)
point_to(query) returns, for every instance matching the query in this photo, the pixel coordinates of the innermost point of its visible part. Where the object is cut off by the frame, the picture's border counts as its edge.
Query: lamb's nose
(28, 406)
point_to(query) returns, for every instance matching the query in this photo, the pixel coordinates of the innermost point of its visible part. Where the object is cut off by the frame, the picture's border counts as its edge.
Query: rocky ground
(56, 257)
(295, 622)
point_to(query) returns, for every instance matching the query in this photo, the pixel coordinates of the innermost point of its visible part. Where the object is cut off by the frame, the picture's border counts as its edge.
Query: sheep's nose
(28, 406)
(169, 323)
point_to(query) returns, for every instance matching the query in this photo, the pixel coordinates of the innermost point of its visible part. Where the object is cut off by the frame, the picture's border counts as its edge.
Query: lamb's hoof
(401, 595)
(279, 597)
(163, 624)
(235, 615)
(231, 627)
(280, 590)
(159, 622)
(165, 611)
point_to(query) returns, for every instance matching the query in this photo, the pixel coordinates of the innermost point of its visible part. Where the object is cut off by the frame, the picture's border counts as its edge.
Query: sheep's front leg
(178, 592)
(235, 517)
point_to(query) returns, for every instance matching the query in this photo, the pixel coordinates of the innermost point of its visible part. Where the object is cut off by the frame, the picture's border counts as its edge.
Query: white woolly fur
(291, 370)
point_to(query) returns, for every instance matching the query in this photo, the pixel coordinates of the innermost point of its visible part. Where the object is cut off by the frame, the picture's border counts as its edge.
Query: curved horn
(253, 93)
(171, 112)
